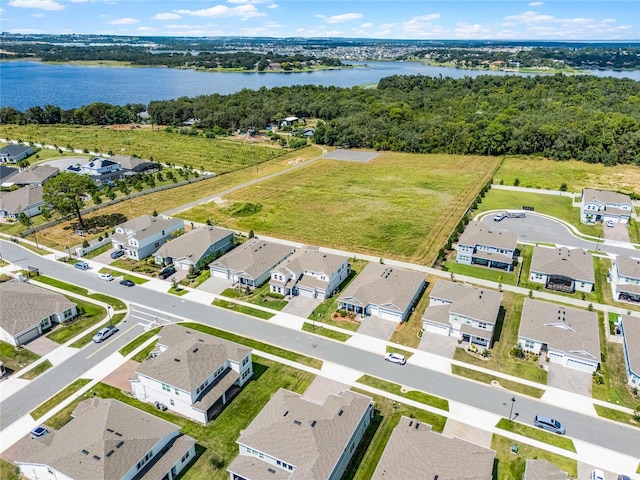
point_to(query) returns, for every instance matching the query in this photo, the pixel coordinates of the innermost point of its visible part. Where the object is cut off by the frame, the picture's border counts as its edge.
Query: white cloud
(468, 30)
(273, 5)
(422, 26)
(146, 29)
(530, 17)
(38, 15)
(40, 4)
(166, 16)
(366, 25)
(535, 4)
(220, 11)
(124, 21)
(345, 17)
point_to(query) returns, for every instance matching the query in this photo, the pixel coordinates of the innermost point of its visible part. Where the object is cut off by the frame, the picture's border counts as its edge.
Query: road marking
(114, 339)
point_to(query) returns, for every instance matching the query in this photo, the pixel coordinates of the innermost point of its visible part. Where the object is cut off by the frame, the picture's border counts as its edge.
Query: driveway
(63, 163)
(569, 379)
(377, 327)
(215, 285)
(41, 346)
(438, 344)
(119, 378)
(301, 306)
(619, 232)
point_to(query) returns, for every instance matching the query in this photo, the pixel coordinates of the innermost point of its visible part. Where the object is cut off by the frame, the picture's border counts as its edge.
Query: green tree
(65, 193)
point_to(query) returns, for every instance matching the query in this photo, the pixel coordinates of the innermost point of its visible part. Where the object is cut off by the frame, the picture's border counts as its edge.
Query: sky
(383, 19)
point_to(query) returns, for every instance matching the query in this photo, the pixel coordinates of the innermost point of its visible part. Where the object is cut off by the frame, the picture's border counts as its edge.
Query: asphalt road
(607, 434)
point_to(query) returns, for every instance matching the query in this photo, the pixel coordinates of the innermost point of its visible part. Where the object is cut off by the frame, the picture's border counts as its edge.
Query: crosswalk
(149, 318)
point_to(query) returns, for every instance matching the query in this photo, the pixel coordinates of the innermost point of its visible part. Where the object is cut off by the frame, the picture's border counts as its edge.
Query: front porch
(560, 283)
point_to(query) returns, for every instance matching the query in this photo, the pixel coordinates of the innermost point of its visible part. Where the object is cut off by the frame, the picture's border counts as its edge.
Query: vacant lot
(399, 205)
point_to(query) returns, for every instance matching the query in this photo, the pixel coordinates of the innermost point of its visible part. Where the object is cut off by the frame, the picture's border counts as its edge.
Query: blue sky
(417, 19)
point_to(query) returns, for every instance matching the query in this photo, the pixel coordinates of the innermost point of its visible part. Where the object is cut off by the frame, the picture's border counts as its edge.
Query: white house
(144, 235)
(383, 291)
(562, 269)
(310, 273)
(192, 373)
(27, 200)
(195, 247)
(288, 121)
(462, 311)
(96, 167)
(566, 335)
(27, 311)
(108, 439)
(603, 205)
(295, 438)
(625, 279)
(630, 327)
(481, 245)
(13, 153)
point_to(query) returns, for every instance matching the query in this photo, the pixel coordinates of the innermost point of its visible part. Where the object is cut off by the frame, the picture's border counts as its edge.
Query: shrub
(517, 351)
(85, 244)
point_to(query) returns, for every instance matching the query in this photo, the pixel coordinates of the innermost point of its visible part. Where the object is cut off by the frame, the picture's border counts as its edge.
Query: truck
(502, 215)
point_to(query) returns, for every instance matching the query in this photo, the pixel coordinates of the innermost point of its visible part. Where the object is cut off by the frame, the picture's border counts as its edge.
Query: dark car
(127, 283)
(38, 432)
(117, 254)
(166, 272)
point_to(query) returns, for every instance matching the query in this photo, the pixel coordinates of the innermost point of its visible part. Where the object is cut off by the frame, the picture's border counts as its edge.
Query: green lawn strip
(178, 291)
(199, 280)
(16, 358)
(97, 251)
(325, 332)
(508, 384)
(264, 347)
(92, 314)
(612, 368)
(37, 370)
(261, 296)
(406, 354)
(125, 276)
(85, 339)
(616, 415)
(254, 312)
(612, 319)
(136, 342)
(537, 434)
(143, 354)
(232, 293)
(493, 275)
(9, 471)
(59, 397)
(117, 304)
(427, 399)
(387, 416)
(511, 466)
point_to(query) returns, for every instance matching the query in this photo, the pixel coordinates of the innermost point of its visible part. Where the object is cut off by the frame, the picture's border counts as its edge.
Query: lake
(25, 84)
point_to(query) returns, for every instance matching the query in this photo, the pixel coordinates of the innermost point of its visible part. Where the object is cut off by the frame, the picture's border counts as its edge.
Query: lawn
(37, 370)
(84, 340)
(116, 303)
(325, 332)
(364, 207)
(617, 415)
(254, 312)
(537, 434)
(9, 471)
(259, 296)
(92, 314)
(494, 275)
(396, 389)
(143, 354)
(59, 397)
(508, 384)
(133, 344)
(14, 358)
(409, 333)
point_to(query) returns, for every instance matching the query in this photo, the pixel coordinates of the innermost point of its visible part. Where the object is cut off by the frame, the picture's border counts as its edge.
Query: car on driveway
(82, 266)
(596, 474)
(104, 333)
(127, 283)
(38, 432)
(117, 254)
(395, 358)
(550, 424)
(106, 276)
(166, 272)
(610, 223)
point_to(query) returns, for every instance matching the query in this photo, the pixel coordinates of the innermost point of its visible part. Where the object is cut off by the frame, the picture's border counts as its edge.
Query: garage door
(437, 328)
(28, 335)
(386, 315)
(219, 274)
(582, 366)
(303, 292)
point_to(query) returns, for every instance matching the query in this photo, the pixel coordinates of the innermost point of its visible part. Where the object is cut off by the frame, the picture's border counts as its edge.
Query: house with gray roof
(134, 164)
(540, 469)
(27, 311)
(415, 451)
(310, 273)
(192, 373)
(625, 279)
(27, 200)
(566, 335)
(562, 269)
(384, 291)
(602, 205)
(144, 235)
(108, 440)
(294, 438)
(196, 247)
(6, 173)
(251, 263)
(630, 328)
(481, 245)
(13, 153)
(35, 175)
(462, 311)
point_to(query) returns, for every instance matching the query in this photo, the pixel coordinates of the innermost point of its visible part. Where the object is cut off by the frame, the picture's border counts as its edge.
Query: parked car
(117, 253)
(106, 276)
(395, 358)
(624, 477)
(127, 283)
(166, 272)
(596, 474)
(82, 266)
(39, 432)
(547, 423)
(104, 333)
(499, 217)
(610, 223)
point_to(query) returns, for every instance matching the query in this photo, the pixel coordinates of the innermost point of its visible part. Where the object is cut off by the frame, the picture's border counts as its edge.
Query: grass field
(9, 471)
(37, 370)
(133, 344)
(396, 389)
(92, 314)
(494, 275)
(486, 378)
(537, 434)
(325, 332)
(15, 359)
(399, 205)
(236, 307)
(59, 397)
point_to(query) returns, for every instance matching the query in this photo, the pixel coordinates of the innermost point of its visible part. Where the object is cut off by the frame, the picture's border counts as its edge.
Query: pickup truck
(502, 215)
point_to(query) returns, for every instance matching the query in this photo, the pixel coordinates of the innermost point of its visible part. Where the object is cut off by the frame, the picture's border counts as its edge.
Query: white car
(395, 358)
(106, 276)
(596, 474)
(104, 333)
(610, 223)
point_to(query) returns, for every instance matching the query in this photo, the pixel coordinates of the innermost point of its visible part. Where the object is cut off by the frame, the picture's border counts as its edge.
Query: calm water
(26, 84)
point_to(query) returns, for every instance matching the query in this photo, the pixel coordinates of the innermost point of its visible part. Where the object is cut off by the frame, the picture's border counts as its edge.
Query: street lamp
(513, 401)
(598, 244)
(109, 313)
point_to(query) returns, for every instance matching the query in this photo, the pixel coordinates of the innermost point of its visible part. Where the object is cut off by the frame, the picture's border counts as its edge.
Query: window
(529, 345)
(245, 360)
(166, 388)
(156, 245)
(482, 325)
(172, 402)
(177, 391)
(185, 456)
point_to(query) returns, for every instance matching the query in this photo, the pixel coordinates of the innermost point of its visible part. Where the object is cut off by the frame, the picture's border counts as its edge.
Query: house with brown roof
(192, 373)
(415, 451)
(481, 245)
(602, 205)
(294, 438)
(27, 200)
(383, 291)
(310, 273)
(105, 440)
(144, 235)
(567, 336)
(27, 311)
(562, 269)
(540, 469)
(625, 279)
(630, 328)
(250, 263)
(465, 312)
(196, 247)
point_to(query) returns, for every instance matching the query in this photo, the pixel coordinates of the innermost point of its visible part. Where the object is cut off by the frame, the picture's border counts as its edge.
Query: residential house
(27, 200)
(625, 279)
(35, 175)
(6, 173)
(630, 328)
(13, 153)
(415, 451)
(99, 169)
(462, 311)
(195, 247)
(563, 269)
(310, 273)
(144, 235)
(540, 469)
(388, 292)
(603, 205)
(480, 245)
(27, 311)
(566, 335)
(308, 132)
(288, 121)
(108, 439)
(250, 263)
(134, 164)
(295, 438)
(192, 373)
